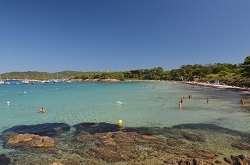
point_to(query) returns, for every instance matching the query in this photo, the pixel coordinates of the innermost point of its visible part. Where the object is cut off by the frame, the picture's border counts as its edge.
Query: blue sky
(120, 35)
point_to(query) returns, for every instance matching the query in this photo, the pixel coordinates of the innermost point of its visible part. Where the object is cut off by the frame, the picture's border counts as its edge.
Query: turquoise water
(149, 104)
(137, 104)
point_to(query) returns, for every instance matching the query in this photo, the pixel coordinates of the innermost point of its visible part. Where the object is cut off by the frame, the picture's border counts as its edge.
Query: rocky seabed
(104, 143)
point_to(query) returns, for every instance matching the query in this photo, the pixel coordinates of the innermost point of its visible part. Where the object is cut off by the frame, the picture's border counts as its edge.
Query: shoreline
(243, 90)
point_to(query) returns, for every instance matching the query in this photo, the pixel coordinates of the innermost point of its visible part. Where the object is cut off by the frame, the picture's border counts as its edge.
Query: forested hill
(231, 74)
(40, 75)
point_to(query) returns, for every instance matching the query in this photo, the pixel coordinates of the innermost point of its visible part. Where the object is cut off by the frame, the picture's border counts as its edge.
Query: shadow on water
(93, 128)
(56, 129)
(213, 127)
(4, 160)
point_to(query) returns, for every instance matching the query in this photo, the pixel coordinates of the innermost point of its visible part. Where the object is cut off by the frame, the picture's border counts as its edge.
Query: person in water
(179, 105)
(182, 100)
(42, 110)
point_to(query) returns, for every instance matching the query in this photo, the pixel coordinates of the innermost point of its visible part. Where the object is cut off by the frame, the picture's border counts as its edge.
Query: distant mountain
(40, 75)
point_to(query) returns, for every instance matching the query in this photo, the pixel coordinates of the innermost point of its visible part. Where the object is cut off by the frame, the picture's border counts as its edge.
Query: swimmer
(42, 110)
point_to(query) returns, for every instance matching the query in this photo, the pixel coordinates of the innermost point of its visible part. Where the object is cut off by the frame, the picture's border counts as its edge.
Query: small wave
(119, 102)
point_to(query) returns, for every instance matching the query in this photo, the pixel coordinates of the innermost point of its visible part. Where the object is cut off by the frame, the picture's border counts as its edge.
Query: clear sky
(120, 35)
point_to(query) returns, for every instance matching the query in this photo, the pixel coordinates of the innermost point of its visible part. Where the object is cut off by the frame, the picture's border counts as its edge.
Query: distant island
(230, 74)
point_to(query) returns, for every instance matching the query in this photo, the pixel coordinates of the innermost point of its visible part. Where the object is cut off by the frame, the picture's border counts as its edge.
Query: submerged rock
(241, 145)
(195, 161)
(104, 143)
(56, 163)
(4, 160)
(118, 146)
(193, 137)
(213, 127)
(127, 146)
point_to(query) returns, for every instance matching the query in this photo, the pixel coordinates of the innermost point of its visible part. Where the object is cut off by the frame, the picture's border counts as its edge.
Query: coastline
(242, 90)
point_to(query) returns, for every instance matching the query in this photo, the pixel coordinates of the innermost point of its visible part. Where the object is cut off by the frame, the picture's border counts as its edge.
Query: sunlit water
(147, 104)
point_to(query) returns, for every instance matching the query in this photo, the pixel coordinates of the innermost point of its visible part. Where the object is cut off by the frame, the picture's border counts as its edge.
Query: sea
(137, 104)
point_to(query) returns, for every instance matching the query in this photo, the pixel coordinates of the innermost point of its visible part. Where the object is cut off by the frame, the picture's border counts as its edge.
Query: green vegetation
(39, 75)
(231, 74)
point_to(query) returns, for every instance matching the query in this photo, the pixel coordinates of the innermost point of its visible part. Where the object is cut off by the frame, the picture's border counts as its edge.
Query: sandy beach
(222, 86)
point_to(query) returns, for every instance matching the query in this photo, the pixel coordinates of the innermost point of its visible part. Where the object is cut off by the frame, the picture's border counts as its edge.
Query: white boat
(56, 80)
(8, 83)
(25, 82)
(45, 81)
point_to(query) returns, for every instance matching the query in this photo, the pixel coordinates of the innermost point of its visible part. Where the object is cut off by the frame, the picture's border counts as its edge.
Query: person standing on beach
(242, 102)
(207, 100)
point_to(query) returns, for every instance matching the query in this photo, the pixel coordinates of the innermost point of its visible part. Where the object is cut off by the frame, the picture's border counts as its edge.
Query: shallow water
(137, 104)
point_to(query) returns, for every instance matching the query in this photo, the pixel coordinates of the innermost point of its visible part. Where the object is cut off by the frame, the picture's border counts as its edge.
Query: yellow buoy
(119, 123)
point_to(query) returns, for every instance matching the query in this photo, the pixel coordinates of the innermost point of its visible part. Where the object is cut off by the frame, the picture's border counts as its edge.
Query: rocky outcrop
(31, 140)
(213, 127)
(125, 146)
(195, 161)
(193, 137)
(238, 160)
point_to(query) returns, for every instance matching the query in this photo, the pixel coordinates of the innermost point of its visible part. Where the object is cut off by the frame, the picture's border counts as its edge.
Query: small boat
(44, 81)
(8, 83)
(55, 81)
(25, 82)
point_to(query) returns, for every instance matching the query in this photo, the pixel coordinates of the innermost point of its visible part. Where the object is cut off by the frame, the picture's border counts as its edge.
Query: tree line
(231, 74)
(40, 75)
